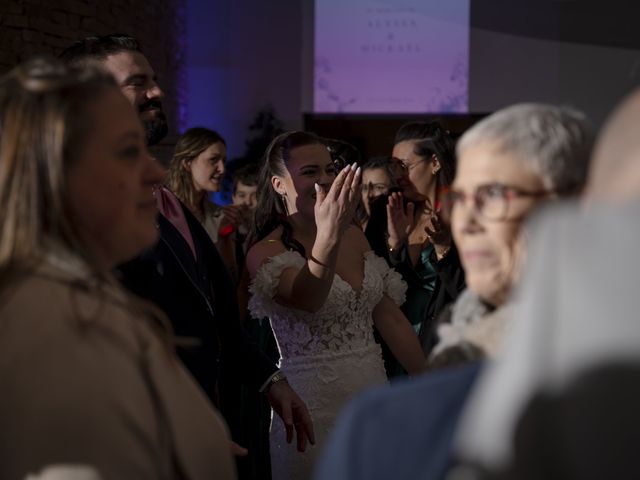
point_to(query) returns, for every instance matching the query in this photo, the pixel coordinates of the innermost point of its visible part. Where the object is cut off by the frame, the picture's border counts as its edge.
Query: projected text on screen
(391, 56)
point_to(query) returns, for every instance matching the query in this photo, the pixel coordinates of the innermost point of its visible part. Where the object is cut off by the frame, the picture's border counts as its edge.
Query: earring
(284, 202)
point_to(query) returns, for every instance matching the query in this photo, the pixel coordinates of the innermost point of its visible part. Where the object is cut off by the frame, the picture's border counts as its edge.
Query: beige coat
(85, 381)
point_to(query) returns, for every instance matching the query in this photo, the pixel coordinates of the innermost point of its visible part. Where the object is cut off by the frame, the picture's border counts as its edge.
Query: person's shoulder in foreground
(78, 379)
(399, 431)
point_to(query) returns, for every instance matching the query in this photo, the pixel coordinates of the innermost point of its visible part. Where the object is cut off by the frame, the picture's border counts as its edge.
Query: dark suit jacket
(199, 298)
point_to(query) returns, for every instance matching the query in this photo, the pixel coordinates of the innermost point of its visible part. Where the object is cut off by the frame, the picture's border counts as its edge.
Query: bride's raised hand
(334, 210)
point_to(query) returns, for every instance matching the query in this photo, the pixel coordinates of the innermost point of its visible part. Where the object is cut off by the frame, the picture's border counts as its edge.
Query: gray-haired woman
(508, 165)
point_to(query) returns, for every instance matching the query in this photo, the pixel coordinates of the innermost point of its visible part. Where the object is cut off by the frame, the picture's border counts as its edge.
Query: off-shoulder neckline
(368, 255)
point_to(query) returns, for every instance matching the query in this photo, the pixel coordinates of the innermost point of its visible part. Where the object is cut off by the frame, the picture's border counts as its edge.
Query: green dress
(421, 284)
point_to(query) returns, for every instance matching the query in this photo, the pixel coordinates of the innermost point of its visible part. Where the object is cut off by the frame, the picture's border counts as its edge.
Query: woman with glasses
(314, 276)
(419, 245)
(508, 164)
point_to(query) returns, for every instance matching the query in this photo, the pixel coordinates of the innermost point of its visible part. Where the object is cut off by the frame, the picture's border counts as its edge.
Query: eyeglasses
(400, 167)
(490, 201)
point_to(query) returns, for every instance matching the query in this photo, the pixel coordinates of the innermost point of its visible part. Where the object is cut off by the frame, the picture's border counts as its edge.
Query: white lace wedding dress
(328, 356)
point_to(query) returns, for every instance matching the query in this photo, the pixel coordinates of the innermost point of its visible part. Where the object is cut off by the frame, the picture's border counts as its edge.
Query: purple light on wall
(181, 54)
(207, 64)
(207, 71)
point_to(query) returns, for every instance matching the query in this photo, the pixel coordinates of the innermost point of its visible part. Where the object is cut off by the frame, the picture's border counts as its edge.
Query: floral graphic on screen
(452, 102)
(400, 56)
(323, 87)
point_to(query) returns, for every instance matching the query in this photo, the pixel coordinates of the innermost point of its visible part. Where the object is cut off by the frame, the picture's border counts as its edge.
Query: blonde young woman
(197, 170)
(88, 373)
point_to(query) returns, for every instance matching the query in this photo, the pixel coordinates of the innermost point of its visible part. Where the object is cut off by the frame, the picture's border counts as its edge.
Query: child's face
(245, 195)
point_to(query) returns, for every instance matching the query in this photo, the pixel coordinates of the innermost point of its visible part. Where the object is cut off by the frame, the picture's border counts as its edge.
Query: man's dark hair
(94, 49)
(99, 47)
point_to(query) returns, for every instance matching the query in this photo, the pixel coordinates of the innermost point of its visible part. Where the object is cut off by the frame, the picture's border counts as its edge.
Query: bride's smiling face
(306, 166)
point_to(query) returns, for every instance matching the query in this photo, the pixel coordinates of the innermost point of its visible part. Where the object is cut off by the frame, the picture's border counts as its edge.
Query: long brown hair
(43, 120)
(191, 144)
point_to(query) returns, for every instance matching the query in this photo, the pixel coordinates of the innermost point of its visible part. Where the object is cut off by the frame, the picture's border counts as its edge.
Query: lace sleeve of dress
(265, 284)
(393, 284)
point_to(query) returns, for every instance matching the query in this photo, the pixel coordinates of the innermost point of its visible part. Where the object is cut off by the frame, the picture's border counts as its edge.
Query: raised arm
(399, 222)
(307, 288)
(399, 335)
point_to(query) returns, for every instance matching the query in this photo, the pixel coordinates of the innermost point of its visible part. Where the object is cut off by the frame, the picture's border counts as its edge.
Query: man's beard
(156, 128)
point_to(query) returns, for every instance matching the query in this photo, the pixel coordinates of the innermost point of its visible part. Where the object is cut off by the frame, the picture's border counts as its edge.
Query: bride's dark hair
(271, 211)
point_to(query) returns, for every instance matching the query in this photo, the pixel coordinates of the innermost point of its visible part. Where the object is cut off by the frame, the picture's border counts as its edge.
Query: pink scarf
(170, 207)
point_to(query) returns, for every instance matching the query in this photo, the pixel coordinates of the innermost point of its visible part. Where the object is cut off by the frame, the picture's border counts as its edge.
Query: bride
(314, 276)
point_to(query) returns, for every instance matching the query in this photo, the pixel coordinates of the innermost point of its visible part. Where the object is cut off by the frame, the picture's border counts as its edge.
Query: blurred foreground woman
(88, 372)
(510, 164)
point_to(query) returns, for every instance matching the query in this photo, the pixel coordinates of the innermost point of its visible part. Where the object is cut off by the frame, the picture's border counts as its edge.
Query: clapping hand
(439, 235)
(399, 221)
(334, 210)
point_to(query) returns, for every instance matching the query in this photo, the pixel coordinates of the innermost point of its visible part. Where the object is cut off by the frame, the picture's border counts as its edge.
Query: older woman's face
(110, 185)
(489, 248)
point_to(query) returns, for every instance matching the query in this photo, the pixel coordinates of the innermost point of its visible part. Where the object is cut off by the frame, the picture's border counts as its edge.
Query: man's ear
(278, 185)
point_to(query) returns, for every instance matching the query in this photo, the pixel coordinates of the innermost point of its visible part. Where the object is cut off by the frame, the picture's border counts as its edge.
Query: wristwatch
(275, 378)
